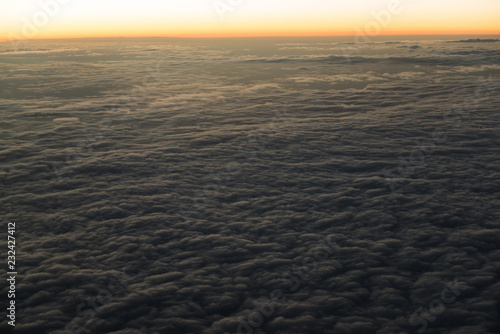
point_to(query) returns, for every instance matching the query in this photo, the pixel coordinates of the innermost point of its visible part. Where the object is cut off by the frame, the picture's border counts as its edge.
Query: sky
(31, 19)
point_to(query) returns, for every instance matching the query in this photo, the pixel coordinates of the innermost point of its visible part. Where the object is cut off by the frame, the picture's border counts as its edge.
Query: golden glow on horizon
(39, 19)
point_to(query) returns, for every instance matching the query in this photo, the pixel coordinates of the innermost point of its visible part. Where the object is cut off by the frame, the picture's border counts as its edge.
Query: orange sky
(37, 19)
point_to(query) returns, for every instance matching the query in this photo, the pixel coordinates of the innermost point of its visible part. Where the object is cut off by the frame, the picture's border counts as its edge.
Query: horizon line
(252, 36)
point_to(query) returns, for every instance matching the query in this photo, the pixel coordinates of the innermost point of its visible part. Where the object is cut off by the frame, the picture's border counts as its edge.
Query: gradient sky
(110, 18)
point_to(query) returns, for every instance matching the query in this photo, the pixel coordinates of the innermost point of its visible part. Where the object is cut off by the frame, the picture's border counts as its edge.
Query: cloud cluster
(211, 173)
(477, 40)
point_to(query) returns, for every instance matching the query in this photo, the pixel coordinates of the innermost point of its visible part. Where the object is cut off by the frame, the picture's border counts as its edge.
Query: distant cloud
(476, 40)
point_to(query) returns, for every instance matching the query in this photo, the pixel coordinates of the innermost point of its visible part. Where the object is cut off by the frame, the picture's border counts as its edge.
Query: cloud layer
(213, 174)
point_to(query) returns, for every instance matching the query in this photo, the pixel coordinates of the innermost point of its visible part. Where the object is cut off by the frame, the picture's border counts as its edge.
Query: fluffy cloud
(213, 177)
